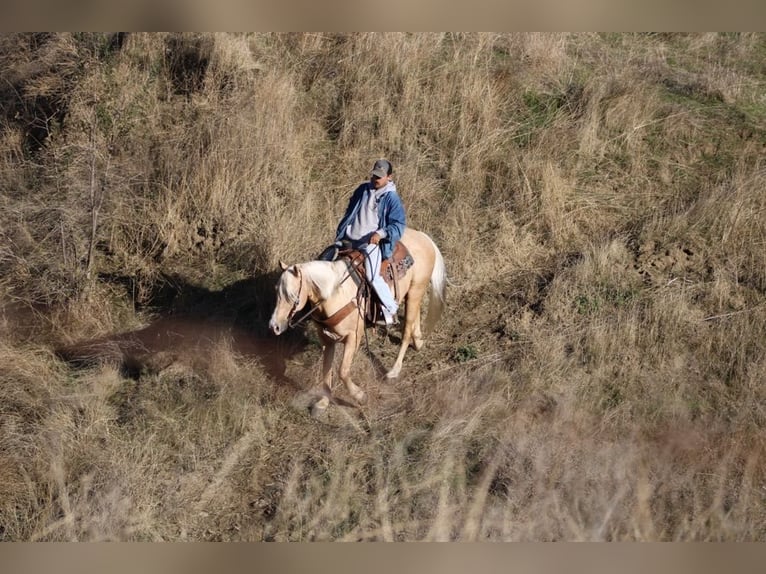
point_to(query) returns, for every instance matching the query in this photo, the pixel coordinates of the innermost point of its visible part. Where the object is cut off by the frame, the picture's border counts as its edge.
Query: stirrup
(382, 322)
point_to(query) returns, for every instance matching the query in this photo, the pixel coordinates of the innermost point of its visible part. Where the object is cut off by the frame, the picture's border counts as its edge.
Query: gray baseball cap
(381, 168)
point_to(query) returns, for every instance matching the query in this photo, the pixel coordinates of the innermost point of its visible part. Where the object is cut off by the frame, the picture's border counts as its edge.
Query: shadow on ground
(191, 322)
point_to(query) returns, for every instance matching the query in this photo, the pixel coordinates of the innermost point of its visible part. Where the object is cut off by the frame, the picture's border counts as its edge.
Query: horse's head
(292, 294)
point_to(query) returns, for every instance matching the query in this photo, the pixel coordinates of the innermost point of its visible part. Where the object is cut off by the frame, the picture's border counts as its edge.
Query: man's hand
(374, 239)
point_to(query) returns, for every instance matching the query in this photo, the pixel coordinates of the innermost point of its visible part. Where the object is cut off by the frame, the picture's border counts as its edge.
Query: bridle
(297, 303)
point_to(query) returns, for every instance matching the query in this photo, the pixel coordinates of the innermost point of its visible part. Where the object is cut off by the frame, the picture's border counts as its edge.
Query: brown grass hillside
(598, 373)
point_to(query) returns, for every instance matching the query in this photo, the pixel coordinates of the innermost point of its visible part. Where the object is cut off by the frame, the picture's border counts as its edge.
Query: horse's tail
(437, 297)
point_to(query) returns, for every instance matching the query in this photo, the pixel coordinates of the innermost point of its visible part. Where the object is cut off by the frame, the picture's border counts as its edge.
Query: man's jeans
(372, 263)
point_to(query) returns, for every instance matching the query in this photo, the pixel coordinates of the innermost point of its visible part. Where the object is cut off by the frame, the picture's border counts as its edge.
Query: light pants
(372, 263)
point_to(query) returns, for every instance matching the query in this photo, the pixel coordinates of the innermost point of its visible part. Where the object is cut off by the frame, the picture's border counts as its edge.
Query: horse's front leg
(328, 357)
(349, 349)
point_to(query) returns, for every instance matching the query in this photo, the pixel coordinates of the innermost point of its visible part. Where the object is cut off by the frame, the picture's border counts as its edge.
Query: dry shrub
(730, 212)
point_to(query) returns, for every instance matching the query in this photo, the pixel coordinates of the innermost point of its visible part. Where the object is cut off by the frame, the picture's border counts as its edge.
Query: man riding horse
(374, 221)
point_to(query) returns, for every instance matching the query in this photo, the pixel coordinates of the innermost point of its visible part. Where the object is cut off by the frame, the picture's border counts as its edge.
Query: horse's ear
(282, 265)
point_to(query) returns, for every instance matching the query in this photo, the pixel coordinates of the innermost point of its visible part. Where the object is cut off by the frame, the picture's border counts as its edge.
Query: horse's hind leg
(411, 332)
(417, 333)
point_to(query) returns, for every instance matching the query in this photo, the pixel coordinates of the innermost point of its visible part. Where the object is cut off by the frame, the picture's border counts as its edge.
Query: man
(374, 221)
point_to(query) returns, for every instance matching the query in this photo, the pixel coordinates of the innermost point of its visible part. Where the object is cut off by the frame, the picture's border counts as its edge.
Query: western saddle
(391, 270)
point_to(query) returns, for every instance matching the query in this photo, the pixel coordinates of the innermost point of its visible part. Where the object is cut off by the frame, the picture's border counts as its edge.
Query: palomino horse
(327, 287)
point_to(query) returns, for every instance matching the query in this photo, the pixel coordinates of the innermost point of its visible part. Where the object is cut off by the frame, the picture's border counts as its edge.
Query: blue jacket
(391, 217)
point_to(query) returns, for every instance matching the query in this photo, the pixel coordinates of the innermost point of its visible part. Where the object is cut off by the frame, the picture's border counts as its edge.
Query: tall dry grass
(598, 200)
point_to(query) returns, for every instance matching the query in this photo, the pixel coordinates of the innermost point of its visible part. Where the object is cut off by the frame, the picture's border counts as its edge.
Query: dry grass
(598, 374)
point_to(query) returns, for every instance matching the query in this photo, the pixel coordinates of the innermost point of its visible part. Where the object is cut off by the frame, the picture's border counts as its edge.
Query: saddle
(391, 270)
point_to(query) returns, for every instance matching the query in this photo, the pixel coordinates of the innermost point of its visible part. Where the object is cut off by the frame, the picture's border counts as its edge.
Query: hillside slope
(598, 199)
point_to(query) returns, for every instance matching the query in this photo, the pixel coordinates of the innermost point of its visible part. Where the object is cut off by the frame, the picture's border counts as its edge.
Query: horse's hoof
(393, 373)
(319, 407)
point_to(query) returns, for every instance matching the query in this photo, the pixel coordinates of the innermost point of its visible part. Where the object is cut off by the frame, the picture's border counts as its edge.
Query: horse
(326, 286)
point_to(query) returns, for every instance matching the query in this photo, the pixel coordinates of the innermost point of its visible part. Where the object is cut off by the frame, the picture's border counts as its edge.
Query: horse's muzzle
(276, 328)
